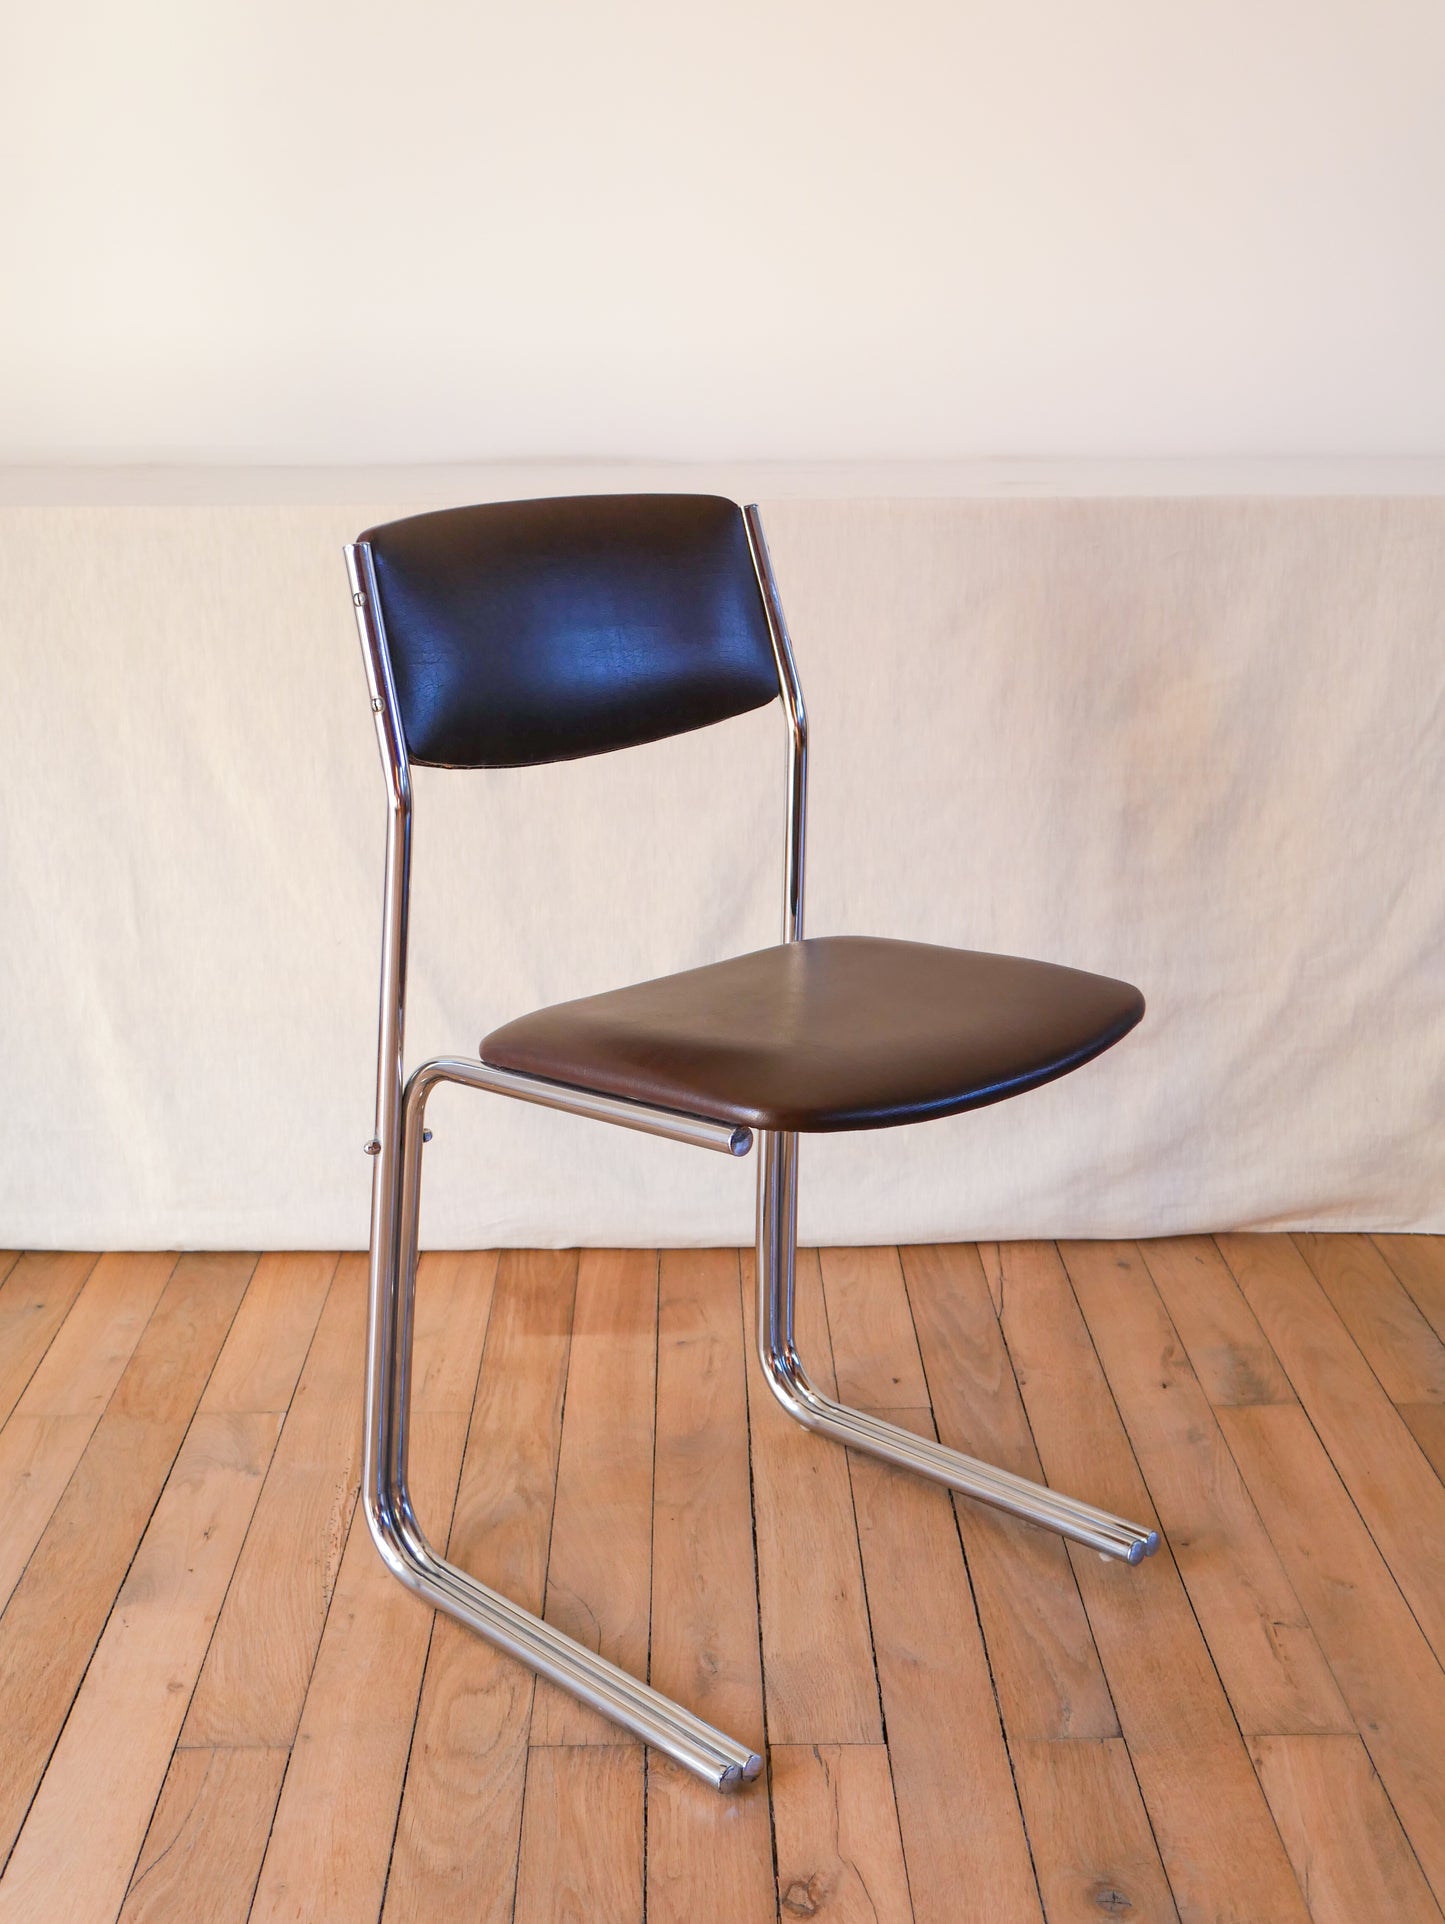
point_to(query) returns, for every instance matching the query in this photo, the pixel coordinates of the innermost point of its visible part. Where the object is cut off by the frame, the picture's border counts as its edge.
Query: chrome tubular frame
(397, 1148)
(778, 1227)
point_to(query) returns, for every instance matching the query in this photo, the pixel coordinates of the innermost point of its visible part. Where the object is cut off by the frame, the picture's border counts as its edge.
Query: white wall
(297, 230)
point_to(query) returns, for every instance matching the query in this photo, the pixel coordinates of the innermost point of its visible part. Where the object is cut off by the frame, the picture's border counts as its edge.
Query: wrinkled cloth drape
(1199, 744)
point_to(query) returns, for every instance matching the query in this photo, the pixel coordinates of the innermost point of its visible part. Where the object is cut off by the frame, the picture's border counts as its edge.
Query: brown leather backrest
(537, 631)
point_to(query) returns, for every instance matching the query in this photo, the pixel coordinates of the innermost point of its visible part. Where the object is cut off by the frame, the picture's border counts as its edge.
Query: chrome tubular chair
(536, 631)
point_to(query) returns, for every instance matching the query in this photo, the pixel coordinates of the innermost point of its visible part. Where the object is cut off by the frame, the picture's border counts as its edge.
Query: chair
(536, 631)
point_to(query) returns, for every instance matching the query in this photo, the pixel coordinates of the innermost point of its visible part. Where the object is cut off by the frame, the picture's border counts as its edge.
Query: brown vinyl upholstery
(841, 1032)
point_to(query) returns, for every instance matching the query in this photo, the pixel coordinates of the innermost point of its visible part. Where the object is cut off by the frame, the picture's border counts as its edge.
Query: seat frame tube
(398, 1146)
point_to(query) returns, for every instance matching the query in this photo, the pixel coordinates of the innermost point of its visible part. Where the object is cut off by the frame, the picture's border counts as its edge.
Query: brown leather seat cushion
(842, 1032)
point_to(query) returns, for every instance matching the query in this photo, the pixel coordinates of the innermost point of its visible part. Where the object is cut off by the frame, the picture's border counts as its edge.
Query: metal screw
(372, 1148)
(426, 1135)
(359, 599)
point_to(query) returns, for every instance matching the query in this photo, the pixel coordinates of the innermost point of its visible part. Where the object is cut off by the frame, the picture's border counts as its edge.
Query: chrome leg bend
(709, 1753)
(777, 1243)
(718, 1759)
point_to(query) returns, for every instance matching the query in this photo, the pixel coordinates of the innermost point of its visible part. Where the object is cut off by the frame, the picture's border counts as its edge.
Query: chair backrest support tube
(384, 1432)
(795, 835)
(727, 1138)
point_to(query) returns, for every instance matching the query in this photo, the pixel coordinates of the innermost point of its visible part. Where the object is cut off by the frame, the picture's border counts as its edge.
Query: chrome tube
(727, 1138)
(395, 1215)
(1110, 1535)
(709, 1753)
(388, 1319)
(795, 836)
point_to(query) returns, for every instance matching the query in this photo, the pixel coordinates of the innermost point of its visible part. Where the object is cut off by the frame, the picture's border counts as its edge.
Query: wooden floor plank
(818, 1663)
(967, 1855)
(331, 1839)
(1088, 1833)
(1046, 1670)
(1419, 1262)
(1092, 1845)
(708, 1857)
(60, 1605)
(79, 1844)
(599, 1567)
(933, 1669)
(875, 1348)
(1343, 1838)
(1377, 1310)
(81, 1367)
(199, 1861)
(581, 1856)
(1215, 1834)
(1427, 1425)
(839, 1853)
(258, 1368)
(35, 1299)
(1390, 1678)
(1398, 1494)
(252, 1687)
(1229, 1351)
(64, 1399)
(38, 1455)
(455, 1854)
(1273, 1669)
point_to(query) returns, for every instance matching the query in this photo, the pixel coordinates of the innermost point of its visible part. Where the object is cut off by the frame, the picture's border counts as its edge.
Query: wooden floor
(215, 1703)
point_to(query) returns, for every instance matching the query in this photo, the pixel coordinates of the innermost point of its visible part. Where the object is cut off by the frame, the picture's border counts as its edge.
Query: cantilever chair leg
(789, 1381)
(718, 1759)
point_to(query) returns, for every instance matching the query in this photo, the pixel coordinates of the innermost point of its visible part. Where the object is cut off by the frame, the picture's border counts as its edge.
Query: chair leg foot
(710, 1754)
(1111, 1536)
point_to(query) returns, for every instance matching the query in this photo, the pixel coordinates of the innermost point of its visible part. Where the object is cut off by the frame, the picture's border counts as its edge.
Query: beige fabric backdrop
(1195, 742)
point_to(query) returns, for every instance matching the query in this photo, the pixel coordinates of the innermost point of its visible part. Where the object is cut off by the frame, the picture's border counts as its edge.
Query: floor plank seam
(1165, 1549)
(1249, 1496)
(1288, 1581)
(651, 1554)
(85, 1278)
(956, 1499)
(1034, 1445)
(1404, 1284)
(767, 1770)
(1360, 1734)
(145, 1830)
(291, 1746)
(431, 1627)
(325, 1617)
(853, 1506)
(546, 1569)
(1294, 1243)
(251, 1524)
(557, 1471)
(1068, 1563)
(1344, 1485)
(354, 1507)
(40, 1538)
(908, 1872)
(163, 1485)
